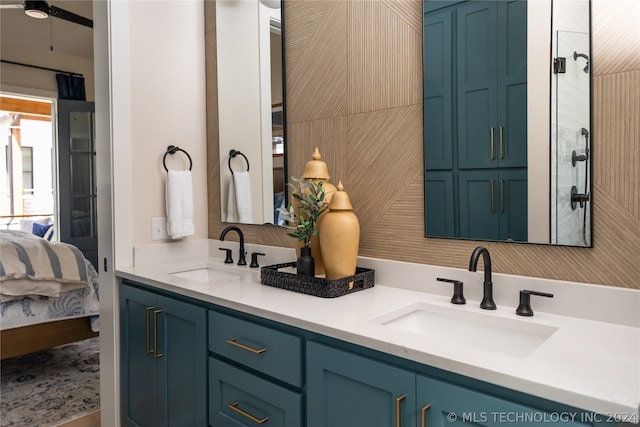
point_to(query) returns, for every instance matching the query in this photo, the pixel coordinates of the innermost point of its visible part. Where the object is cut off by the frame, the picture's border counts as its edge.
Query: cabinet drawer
(264, 349)
(237, 398)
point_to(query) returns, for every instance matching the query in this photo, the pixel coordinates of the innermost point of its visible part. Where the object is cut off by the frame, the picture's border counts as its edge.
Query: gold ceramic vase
(317, 171)
(340, 237)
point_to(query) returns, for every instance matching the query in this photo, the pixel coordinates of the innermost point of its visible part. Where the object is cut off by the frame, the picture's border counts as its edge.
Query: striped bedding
(42, 281)
(30, 265)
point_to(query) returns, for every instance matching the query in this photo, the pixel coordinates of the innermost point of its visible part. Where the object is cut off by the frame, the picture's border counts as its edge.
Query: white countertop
(588, 364)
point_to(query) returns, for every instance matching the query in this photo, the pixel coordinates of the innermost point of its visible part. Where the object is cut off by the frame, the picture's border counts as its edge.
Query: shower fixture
(577, 55)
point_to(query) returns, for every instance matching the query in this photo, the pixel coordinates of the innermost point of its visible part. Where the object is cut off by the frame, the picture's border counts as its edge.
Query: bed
(48, 294)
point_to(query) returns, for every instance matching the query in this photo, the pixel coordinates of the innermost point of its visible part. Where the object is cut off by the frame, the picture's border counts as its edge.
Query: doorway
(48, 186)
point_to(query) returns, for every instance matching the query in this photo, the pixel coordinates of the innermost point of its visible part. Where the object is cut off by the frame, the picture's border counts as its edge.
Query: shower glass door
(570, 138)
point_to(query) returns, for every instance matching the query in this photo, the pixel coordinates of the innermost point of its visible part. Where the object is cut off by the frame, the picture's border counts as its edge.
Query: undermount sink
(478, 330)
(208, 275)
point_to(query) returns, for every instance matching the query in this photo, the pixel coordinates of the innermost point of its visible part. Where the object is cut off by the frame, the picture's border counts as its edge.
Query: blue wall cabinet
(475, 116)
(493, 204)
(163, 360)
(345, 389)
(444, 404)
(239, 398)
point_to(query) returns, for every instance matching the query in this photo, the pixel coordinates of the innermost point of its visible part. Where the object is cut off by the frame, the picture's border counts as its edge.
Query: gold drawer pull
(149, 349)
(501, 156)
(423, 415)
(155, 333)
(234, 341)
(491, 156)
(234, 407)
(398, 400)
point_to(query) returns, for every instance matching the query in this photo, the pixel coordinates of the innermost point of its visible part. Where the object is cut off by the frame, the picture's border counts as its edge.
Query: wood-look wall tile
(316, 71)
(329, 135)
(385, 55)
(615, 36)
(384, 152)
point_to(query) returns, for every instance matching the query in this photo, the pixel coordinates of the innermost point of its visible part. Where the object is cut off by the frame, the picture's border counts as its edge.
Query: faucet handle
(254, 259)
(229, 258)
(524, 308)
(458, 297)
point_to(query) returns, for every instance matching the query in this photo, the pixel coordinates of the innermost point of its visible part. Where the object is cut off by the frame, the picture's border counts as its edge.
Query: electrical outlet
(159, 228)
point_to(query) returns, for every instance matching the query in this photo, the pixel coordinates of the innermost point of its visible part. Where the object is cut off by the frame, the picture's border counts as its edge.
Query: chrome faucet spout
(487, 299)
(242, 260)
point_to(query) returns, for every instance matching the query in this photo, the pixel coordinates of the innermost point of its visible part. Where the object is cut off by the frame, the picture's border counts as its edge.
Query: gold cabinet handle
(502, 195)
(491, 156)
(493, 207)
(423, 415)
(234, 407)
(149, 349)
(155, 333)
(398, 417)
(234, 341)
(501, 127)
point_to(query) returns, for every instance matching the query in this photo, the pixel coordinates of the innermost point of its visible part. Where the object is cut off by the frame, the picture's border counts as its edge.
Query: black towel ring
(172, 149)
(234, 153)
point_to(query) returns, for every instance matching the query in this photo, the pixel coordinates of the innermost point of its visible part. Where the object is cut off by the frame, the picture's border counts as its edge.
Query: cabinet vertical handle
(502, 195)
(501, 127)
(155, 333)
(493, 205)
(234, 407)
(149, 349)
(423, 415)
(399, 399)
(491, 144)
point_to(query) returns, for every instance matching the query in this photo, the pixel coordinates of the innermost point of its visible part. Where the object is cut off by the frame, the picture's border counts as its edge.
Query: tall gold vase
(340, 237)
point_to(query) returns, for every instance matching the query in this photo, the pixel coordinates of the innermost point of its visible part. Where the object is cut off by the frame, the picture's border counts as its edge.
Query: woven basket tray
(318, 286)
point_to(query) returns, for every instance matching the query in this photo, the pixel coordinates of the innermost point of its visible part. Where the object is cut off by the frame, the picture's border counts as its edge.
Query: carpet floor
(45, 388)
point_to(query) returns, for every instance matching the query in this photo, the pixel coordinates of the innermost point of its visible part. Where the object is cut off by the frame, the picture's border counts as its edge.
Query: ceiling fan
(40, 9)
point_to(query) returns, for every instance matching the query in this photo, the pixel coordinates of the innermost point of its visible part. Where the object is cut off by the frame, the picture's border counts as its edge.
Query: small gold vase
(340, 237)
(317, 171)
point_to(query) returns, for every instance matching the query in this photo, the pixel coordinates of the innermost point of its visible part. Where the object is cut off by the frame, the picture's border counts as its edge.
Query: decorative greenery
(309, 203)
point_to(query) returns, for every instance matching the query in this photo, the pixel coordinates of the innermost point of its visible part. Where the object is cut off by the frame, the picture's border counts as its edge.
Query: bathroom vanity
(205, 343)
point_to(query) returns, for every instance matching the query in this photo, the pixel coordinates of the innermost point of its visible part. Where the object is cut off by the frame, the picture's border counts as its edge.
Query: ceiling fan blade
(12, 5)
(70, 16)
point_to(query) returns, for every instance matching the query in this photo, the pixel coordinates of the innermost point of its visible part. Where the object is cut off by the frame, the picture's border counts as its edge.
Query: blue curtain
(71, 87)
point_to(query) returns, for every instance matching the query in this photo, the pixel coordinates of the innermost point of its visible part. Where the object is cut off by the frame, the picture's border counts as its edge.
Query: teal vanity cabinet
(163, 360)
(350, 389)
(475, 119)
(255, 374)
(345, 389)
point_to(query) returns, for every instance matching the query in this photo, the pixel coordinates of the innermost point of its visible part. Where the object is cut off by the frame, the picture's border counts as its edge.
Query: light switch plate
(159, 228)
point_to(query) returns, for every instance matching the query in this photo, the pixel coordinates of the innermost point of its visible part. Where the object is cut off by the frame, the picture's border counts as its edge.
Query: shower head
(577, 55)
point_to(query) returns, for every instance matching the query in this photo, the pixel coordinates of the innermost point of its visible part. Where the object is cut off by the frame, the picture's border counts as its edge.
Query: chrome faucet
(242, 260)
(487, 298)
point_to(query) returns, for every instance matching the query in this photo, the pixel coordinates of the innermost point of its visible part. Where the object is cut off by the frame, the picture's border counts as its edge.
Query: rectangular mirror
(251, 110)
(507, 122)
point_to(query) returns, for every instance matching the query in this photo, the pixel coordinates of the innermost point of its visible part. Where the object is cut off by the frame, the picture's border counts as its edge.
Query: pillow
(26, 225)
(40, 230)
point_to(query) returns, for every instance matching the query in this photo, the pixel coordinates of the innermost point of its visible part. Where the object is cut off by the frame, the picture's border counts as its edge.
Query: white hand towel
(239, 206)
(179, 204)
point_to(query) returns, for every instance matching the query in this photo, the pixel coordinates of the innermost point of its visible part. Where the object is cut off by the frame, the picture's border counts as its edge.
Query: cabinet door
(440, 204)
(238, 398)
(163, 360)
(139, 384)
(513, 204)
(438, 90)
(344, 389)
(182, 357)
(453, 405)
(479, 203)
(512, 83)
(477, 84)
